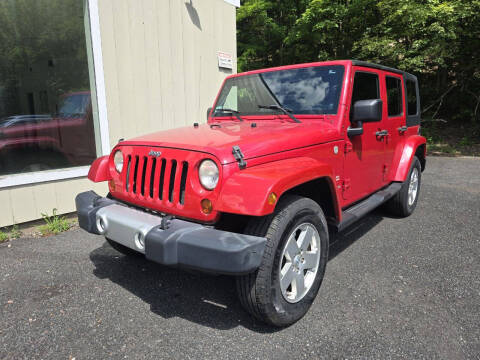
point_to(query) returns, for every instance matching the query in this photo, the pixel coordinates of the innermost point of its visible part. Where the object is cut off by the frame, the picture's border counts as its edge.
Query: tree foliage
(35, 32)
(437, 40)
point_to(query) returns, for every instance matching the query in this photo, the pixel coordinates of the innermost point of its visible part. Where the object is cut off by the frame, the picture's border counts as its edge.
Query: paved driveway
(396, 288)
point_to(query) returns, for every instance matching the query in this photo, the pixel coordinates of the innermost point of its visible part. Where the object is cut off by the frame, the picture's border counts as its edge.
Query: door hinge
(239, 157)
(348, 147)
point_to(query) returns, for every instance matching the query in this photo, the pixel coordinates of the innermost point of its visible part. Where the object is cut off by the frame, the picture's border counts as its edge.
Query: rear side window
(411, 97)
(365, 86)
(394, 96)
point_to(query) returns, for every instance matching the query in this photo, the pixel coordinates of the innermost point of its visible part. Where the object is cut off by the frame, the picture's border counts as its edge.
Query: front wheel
(282, 290)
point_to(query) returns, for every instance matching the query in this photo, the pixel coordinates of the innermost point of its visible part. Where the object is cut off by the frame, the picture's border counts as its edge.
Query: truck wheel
(282, 289)
(405, 201)
(123, 249)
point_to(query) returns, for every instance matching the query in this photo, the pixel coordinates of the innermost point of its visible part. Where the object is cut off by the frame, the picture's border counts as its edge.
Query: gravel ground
(394, 288)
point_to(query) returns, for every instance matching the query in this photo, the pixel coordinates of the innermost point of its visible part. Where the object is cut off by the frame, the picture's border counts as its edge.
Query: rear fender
(404, 156)
(246, 192)
(99, 171)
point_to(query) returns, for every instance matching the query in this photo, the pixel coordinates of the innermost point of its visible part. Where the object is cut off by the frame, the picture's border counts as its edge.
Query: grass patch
(54, 224)
(13, 233)
(453, 139)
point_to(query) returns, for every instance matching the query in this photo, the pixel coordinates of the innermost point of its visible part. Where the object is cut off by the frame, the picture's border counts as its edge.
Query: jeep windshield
(307, 90)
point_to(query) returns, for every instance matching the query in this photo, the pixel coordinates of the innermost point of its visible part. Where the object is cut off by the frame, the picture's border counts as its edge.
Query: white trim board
(42, 176)
(99, 75)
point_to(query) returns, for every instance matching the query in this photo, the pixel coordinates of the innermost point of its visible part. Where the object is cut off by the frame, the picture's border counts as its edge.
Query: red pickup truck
(286, 155)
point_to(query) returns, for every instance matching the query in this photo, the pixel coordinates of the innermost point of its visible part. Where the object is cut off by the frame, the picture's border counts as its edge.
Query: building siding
(161, 66)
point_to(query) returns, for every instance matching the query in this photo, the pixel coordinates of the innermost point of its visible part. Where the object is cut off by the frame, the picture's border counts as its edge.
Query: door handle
(402, 129)
(381, 133)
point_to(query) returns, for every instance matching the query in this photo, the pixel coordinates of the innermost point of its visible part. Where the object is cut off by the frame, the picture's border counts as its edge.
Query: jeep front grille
(159, 179)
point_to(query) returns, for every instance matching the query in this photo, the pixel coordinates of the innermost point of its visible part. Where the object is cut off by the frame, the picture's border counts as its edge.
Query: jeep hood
(267, 137)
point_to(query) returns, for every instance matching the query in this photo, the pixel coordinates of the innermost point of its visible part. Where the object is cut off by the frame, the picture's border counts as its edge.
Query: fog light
(207, 206)
(272, 198)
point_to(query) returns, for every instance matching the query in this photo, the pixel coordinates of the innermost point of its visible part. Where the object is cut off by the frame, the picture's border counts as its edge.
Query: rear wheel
(282, 290)
(405, 201)
(123, 249)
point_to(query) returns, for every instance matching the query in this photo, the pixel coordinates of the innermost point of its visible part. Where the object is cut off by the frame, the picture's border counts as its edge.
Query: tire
(260, 293)
(123, 249)
(405, 201)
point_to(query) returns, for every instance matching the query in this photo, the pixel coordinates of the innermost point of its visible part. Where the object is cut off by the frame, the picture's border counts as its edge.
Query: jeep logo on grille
(155, 153)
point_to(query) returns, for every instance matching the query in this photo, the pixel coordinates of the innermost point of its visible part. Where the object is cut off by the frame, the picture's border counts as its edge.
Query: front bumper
(180, 243)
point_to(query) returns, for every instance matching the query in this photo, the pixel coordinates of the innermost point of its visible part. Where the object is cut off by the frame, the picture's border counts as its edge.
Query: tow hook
(166, 222)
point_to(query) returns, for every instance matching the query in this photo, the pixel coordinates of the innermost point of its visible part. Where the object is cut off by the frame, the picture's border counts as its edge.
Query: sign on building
(225, 60)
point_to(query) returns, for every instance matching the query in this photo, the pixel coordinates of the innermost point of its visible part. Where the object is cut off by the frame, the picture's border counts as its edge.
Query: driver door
(364, 158)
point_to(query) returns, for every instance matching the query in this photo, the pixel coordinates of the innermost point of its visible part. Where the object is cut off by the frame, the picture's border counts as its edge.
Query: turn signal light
(112, 185)
(272, 198)
(207, 206)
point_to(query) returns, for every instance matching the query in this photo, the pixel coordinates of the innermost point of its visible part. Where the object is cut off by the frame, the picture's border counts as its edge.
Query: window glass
(411, 97)
(311, 90)
(231, 102)
(394, 96)
(46, 119)
(365, 86)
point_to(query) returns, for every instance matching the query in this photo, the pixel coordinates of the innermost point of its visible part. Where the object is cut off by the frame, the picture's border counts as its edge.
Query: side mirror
(208, 111)
(365, 111)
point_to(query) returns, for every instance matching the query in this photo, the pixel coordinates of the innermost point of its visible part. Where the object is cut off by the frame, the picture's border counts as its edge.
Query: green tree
(437, 40)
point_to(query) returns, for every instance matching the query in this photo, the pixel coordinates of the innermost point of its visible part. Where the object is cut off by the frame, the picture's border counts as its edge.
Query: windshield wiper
(286, 111)
(234, 112)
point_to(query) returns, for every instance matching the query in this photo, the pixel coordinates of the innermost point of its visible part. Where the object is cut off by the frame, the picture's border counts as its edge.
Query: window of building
(394, 96)
(46, 112)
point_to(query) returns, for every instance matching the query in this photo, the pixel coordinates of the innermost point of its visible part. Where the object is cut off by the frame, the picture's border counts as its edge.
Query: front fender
(99, 170)
(246, 191)
(404, 156)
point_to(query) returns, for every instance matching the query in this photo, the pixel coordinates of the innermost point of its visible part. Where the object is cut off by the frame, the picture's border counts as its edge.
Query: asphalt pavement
(394, 288)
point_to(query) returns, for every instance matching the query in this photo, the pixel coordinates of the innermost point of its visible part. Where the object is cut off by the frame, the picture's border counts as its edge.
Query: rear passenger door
(395, 123)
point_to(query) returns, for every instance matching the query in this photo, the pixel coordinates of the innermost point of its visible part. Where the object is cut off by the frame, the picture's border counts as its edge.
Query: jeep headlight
(118, 161)
(208, 174)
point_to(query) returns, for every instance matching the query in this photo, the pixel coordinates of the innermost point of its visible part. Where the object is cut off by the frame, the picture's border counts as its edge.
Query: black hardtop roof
(378, 66)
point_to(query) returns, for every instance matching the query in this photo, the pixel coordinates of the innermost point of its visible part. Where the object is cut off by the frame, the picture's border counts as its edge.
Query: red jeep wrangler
(286, 153)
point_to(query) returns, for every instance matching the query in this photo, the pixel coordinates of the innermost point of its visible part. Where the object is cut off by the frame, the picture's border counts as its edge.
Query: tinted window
(411, 97)
(311, 90)
(365, 86)
(394, 96)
